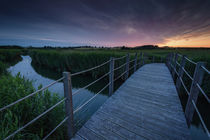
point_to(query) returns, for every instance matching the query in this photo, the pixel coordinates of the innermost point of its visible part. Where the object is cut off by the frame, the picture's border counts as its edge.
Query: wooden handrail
(197, 79)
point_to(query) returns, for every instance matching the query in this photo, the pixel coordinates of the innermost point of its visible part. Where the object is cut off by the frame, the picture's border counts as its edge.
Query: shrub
(14, 88)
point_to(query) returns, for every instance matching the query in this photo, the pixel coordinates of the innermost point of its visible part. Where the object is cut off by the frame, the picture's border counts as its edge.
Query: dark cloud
(101, 22)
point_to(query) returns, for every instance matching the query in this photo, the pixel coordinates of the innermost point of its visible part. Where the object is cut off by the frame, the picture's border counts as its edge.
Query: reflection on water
(78, 81)
(26, 70)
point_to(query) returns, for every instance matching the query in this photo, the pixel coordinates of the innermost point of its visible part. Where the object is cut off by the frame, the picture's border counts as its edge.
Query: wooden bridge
(146, 106)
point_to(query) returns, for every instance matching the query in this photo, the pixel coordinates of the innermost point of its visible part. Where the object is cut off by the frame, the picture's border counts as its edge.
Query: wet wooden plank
(89, 134)
(97, 127)
(146, 106)
(77, 137)
(116, 128)
(132, 127)
(148, 122)
(160, 116)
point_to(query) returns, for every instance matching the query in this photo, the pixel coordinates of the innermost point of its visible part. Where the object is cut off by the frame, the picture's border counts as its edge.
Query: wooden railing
(68, 94)
(195, 89)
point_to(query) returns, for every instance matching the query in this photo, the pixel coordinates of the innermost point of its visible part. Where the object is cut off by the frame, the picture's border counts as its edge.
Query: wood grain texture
(145, 107)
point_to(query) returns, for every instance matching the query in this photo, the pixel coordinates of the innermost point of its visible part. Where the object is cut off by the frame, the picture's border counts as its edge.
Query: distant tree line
(11, 47)
(140, 47)
(102, 47)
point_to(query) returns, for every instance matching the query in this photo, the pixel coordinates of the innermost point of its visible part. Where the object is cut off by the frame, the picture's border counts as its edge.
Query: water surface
(25, 69)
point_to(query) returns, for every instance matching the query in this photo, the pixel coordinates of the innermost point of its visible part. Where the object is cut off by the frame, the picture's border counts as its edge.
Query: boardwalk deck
(146, 106)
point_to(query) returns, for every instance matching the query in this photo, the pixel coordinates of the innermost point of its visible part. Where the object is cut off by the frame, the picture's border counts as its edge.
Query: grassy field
(8, 57)
(75, 60)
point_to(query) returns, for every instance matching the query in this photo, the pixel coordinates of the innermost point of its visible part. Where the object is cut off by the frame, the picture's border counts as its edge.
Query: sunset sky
(177, 23)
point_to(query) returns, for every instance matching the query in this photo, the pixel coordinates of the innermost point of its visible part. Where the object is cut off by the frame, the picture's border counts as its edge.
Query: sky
(177, 23)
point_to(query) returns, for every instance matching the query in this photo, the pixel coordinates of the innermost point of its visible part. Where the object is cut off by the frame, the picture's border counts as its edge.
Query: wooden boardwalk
(146, 106)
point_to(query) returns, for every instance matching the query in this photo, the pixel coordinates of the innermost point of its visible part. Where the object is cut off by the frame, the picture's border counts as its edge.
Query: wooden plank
(77, 137)
(142, 110)
(98, 128)
(142, 121)
(151, 95)
(146, 106)
(89, 134)
(132, 127)
(147, 103)
(116, 128)
(129, 111)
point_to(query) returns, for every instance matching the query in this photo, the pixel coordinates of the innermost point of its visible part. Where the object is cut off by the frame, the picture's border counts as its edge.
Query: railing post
(180, 73)
(171, 62)
(140, 59)
(135, 62)
(194, 91)
(143, 59)
(153, 59)
(111, 76)
(175, 59)
(168, 61)
(127, 66)
(68, 103)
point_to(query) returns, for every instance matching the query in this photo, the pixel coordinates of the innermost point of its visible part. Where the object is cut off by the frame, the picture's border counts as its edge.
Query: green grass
(14, 88)
(10, 56)
(74, 61)
(7, 58)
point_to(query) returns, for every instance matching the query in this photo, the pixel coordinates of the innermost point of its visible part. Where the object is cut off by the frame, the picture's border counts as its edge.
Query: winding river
(25, 69)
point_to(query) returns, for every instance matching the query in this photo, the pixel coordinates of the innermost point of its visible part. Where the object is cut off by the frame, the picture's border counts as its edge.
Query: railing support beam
(111, 76)
(143, 59)
(194, 91)
(140, 59)
(168, 60)
(127, 66)
(174, 69)
(153, 59)
(68, 103)
(171, 61)
(135, 62)
(180, 72)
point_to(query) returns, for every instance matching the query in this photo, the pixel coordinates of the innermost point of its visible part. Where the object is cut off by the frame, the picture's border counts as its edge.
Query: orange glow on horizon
(201, 41)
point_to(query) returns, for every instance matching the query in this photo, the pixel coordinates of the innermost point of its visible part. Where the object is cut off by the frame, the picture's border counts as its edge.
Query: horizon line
(92, 46)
